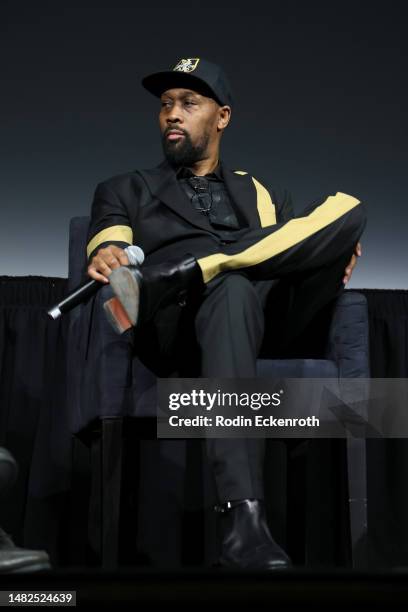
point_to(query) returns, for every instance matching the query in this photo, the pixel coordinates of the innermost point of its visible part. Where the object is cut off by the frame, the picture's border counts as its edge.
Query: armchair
(126, 389)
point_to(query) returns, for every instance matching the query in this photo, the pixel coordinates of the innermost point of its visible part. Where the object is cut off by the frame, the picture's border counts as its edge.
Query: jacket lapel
(163, 184)
(243, 193)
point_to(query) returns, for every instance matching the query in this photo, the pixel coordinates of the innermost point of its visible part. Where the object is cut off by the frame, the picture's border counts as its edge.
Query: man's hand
(106, 260)
(349, 270)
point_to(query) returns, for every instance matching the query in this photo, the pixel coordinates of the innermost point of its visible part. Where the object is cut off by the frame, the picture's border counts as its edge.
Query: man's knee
(361, 219)
(357, 217)
(352, 228)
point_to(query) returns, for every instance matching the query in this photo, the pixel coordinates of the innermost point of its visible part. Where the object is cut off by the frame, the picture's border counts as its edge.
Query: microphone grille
(135, 255)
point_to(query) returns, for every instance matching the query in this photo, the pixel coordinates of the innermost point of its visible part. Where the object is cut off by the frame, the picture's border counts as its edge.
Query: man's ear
(224, 116)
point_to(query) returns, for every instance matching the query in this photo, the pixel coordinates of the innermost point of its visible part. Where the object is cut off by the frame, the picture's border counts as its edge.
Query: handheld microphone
(83, 292)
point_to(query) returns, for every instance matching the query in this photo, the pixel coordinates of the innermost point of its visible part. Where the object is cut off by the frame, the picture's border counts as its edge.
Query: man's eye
(190, 102)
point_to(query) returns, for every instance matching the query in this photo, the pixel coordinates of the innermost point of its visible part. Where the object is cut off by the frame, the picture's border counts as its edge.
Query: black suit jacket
(149, 208)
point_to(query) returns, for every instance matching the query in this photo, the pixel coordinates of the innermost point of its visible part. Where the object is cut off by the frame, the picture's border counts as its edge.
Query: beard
(183, 152)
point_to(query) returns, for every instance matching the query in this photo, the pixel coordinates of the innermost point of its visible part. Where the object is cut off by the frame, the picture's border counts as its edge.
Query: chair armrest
(99, 364)
(348, 342)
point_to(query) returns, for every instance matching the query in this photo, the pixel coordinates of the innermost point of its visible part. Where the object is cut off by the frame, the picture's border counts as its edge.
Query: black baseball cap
(194, 73)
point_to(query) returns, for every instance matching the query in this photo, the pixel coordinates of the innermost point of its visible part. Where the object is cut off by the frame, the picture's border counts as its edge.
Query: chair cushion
(297, 368)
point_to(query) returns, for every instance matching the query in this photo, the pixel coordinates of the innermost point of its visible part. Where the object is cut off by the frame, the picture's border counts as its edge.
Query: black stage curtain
(33, 424)
(388, 459)
(41, 512)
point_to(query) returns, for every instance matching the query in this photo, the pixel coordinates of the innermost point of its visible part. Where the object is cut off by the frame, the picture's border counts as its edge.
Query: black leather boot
(15, 560)
(247, 542)
(141, 291)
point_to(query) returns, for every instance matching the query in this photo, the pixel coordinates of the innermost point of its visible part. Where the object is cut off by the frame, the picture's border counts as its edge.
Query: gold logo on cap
(187, 65)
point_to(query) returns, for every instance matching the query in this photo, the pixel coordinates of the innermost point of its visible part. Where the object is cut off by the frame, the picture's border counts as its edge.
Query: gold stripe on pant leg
(291, 233)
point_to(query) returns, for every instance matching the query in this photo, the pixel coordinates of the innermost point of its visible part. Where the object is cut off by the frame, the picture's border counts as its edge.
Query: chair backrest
(78, 234)
(349, 343)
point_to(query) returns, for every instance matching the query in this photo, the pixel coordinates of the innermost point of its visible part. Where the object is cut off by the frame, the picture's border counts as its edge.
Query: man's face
(195, 118)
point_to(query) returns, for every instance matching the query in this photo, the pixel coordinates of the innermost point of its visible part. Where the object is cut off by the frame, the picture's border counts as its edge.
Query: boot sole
(227, 567)
(27, 569)
(127, 290)
(117, 316)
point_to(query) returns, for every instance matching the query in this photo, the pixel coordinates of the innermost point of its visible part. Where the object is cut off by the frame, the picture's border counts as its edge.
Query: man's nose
(175, 114)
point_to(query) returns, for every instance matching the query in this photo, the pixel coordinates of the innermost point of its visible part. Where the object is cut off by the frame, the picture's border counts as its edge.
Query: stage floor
(219, 587)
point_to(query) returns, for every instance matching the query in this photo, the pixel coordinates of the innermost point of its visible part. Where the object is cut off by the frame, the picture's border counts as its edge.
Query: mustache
(170, 129)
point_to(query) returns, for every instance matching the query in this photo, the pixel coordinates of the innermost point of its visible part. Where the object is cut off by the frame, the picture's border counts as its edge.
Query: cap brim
(159, 82)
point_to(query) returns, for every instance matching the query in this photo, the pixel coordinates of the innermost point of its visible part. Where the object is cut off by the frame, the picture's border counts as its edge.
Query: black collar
(184, 172)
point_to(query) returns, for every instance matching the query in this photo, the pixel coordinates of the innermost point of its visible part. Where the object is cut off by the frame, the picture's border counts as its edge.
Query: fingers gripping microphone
(136, 258)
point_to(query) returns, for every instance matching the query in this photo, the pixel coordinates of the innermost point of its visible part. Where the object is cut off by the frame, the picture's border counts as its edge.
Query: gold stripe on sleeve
(266, 208)
(121, 233)
(291, 233)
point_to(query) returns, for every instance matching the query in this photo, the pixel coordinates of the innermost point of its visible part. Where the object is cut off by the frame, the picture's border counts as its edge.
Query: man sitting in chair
(216, 243)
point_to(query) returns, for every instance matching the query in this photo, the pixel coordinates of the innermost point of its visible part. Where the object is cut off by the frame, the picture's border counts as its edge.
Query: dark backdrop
(321, 95)
(321, 106)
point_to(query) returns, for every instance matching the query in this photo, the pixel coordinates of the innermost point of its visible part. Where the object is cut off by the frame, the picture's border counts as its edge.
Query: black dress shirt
(209, 196)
